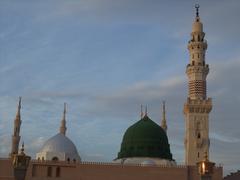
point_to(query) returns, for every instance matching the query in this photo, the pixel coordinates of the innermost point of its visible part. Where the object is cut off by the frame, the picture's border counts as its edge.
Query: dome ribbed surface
(145, 138)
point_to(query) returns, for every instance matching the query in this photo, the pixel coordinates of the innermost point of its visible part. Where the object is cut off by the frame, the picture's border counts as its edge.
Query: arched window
(49, 171)
(68, 160)
(55, 158)
(58, 172)
(199, 136)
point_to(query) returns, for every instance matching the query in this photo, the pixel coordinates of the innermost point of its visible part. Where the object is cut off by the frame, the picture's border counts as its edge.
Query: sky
(105, 58)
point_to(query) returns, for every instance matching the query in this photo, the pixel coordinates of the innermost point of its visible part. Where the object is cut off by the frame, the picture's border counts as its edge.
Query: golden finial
(164, 121)
(164, 111)
(141, 114)
(197, 6)
(146, 111)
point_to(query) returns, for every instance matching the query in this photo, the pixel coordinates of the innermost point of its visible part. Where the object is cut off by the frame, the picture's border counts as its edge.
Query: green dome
(145, 138)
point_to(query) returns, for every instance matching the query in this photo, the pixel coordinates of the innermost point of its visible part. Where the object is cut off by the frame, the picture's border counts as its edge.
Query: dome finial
(197, 6)
(141, 114)
(164, 121)
(146, 111)
(63, 127)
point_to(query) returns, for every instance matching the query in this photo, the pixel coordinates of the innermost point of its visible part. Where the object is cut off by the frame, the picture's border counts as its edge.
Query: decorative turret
(20, 164)
(16, 131)
(63, 127)
(164, 121)
(197, 106)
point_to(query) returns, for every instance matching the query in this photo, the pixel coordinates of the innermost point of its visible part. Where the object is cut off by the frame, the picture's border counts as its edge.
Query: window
(49, 172)
(58, 172)
(55, 158)
(199, 135)
(198, 154)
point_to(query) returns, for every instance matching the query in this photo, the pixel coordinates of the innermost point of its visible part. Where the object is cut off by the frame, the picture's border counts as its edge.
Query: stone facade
(46, 170)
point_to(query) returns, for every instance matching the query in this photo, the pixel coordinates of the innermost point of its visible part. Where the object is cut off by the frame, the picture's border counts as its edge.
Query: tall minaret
(198, 106)
(164, 121)
(63, 127)
(16, 131)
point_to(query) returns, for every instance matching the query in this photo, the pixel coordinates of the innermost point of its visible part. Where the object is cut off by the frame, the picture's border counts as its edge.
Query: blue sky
(105, 58)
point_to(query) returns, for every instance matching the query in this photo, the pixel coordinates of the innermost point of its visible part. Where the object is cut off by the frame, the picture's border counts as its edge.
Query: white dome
(59, 147)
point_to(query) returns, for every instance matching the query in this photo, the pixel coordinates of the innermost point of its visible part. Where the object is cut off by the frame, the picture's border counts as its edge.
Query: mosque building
(145, 151)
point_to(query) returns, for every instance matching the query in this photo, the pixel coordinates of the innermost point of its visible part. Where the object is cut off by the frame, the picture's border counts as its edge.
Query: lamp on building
(20, 164)
(205, 168)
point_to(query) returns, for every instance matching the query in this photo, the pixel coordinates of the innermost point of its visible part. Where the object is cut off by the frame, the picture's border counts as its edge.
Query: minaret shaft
(198, 106)
(16, 131)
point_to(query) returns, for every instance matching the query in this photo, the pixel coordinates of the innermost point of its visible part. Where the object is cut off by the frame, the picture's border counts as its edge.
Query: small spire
(197, 6)
(63, 127)
(64, 111)
(146, 111)
(20, 103)
(16, 130)
(141, 114)
(164, 121)
(19, 107)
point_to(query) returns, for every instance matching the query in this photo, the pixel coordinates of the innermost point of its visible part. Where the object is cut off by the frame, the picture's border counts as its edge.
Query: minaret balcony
(198, 106)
